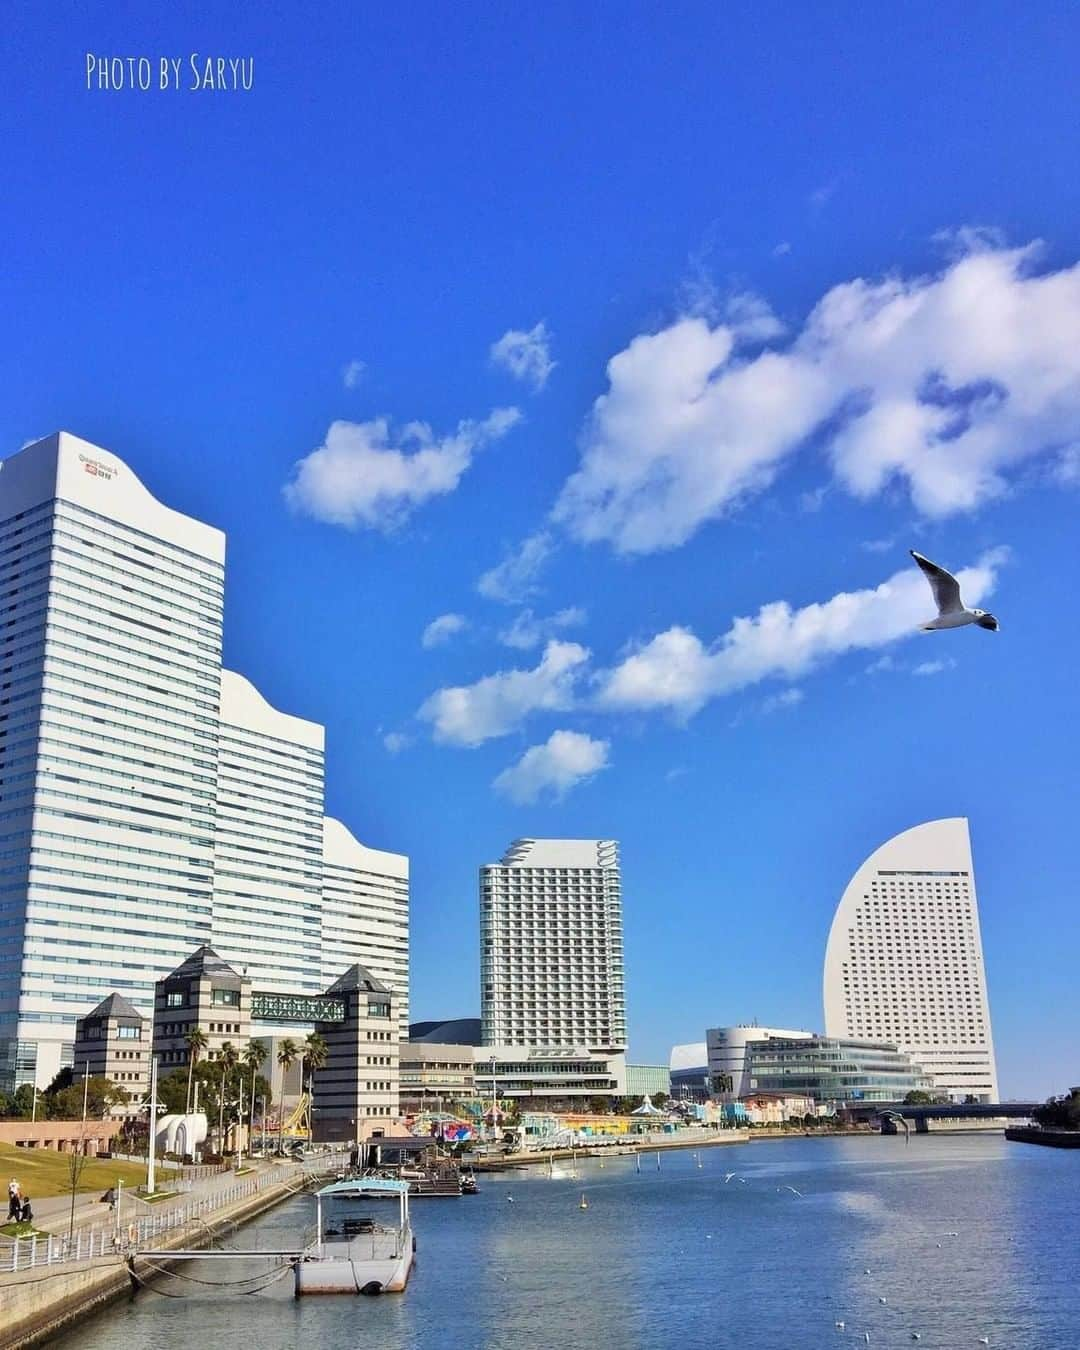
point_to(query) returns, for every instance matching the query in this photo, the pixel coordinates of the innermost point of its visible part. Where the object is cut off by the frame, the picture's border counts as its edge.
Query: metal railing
(117, 1240)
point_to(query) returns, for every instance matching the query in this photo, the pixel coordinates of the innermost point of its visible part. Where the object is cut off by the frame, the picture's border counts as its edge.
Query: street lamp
(494, 1101)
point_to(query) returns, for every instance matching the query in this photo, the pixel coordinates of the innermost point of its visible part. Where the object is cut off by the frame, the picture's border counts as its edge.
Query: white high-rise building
(150, 802)
(904, 961)
(365, 914)
(551, 946)
(268, 842)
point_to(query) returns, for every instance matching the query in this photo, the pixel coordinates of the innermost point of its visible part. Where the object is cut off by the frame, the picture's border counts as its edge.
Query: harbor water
(947, 1238)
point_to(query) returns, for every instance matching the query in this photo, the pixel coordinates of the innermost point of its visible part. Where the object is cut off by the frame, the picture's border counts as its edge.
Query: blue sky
(776, 313)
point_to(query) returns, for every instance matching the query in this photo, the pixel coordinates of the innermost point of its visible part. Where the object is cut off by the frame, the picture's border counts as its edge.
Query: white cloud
(942, 384)
(782, 249)
(786, 698)
(442, 629)
(882, 665)
(515, 578)
(564, 760)
(365, 475)
(396, 741)
(678, 672)
(820, 197)
(1067, 469)
(933, 667)
(495, 705)
(529, 630)
(682, 433)
(526, 355)
(750, 318)
(353, 374)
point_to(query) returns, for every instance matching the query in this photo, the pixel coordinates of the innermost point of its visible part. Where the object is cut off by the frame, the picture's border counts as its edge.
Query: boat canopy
(365, 1184)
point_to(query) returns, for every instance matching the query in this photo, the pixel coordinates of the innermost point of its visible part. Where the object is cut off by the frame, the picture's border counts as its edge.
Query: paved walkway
(53, 1215)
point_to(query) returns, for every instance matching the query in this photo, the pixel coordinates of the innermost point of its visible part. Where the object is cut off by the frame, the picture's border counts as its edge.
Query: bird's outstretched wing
(945, 586)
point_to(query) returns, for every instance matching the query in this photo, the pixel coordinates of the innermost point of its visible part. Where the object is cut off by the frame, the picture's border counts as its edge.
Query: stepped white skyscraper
(551, 946)
(150, 801)
(904, 961)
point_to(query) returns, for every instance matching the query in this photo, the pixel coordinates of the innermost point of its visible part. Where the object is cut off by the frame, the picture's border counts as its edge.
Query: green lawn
(43, 1172)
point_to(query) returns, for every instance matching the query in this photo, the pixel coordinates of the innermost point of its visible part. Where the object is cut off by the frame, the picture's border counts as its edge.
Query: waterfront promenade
(46, 1281)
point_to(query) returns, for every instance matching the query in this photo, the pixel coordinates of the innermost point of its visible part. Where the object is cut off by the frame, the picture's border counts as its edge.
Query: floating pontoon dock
(376, 1261)
(362, 1257)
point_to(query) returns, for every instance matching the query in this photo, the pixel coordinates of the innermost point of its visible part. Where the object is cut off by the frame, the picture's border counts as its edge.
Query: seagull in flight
(952, 613)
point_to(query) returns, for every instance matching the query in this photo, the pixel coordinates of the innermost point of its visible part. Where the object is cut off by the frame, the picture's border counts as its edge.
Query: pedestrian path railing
(132, 1232)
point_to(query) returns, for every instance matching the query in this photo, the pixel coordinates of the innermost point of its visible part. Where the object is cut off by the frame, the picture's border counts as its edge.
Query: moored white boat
(375, 1261)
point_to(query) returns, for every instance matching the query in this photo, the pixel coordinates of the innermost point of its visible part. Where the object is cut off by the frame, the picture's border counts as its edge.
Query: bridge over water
(922, 1115)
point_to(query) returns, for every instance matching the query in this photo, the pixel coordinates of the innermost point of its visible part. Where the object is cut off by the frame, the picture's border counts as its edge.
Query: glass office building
(833, 1071)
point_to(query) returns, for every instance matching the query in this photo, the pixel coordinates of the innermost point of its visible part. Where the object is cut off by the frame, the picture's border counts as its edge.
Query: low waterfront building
(111, 1042)
(726, 1055)
(435, 1075)
(646, 1080)
(355, 1094)
(774, 1108)
(203, 992)
(689, 1071)
(593, 1125)
(833, 1071)
(91, 1136)
(547, 1077)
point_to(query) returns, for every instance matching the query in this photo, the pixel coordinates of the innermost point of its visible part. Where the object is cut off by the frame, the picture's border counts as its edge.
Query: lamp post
(151, 1182)
(494, 1101)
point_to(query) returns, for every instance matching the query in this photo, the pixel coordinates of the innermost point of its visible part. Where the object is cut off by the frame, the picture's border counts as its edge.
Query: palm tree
(287, 1055)
(316, 1052)
(196, 1043)
(227, 1059)
(253, 1056)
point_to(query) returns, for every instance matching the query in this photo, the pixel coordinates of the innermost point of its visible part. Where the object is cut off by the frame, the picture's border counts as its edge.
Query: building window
(227, 998)
(176, 999)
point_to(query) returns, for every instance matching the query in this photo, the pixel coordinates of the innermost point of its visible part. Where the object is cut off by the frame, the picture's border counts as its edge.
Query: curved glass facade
(832, 1070)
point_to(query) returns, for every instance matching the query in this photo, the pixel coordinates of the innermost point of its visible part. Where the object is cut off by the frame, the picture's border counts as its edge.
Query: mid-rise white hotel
(904, 961)
(151, 801)
(551, 946)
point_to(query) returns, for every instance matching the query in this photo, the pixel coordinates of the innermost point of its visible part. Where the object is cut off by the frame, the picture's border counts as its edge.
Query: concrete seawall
(36, 1308)
(1027, 1134)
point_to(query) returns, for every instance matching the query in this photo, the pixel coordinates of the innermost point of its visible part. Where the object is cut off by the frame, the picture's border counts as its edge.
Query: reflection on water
(681, 1258)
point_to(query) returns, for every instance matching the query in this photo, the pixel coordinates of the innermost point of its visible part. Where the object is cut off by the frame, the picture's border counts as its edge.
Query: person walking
(14, 1200)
